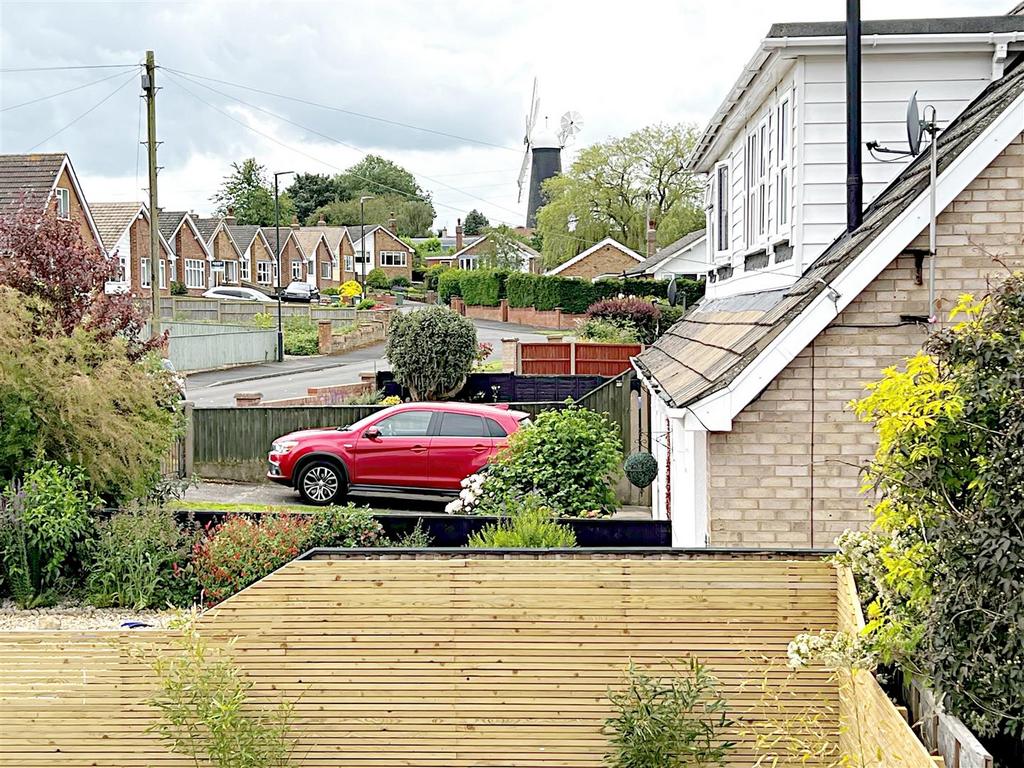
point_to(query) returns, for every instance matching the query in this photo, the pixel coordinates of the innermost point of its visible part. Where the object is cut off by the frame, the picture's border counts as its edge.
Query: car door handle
(481, 448)
(419, 449)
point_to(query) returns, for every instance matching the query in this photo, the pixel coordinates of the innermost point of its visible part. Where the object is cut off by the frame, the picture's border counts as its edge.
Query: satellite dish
(914, 127)
(571, 124)
(671, 292)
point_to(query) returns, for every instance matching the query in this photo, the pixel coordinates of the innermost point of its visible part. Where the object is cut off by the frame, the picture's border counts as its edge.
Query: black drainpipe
(854, 177)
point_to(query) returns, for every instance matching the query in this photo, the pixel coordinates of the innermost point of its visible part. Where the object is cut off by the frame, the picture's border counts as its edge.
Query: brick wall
(224, 250)
(323, 256)
(788, 472)
(138, 235)
(187, 246)
(290, 254)
(76, 210)
(606, 260)
(259, 252)
(383, 241)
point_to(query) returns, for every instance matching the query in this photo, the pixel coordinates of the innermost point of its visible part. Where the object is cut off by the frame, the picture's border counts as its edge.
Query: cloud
(457, 67)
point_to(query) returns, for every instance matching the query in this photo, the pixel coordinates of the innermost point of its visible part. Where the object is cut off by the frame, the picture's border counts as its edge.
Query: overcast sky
(460, 68)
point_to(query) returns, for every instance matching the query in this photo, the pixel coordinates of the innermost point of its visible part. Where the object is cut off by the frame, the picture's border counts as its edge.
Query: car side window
(462, 425)
(405, 424)
(495, 429)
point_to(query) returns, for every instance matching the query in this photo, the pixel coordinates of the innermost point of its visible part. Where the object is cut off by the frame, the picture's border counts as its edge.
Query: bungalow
(608, 258)
(257, 266)
(124, 230)
(339, 245)
(293, 260)
(485, 248)
(321, 262)
(46, 181)
(686, 257)
(375, 246)
(192, 251)
(755, 442)
(223, 248)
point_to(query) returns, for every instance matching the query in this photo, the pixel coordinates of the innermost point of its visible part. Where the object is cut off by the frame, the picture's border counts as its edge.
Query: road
(295, 375)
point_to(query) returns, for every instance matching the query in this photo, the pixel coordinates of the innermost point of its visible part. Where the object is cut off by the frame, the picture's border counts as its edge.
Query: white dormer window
(783, 154)
(721, 204)
(63, 197)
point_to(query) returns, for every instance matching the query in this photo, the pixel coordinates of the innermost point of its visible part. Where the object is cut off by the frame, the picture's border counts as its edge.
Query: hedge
(449, 284)
(546, 292)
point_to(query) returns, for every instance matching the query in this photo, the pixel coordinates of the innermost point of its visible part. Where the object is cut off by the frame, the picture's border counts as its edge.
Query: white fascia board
(724, 405)
(594, 248)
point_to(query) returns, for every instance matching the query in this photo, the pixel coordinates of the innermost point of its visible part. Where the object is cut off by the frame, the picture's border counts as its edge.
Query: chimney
(321, 222)
(392, 222)
(458, 234)
(230, 218)
(854, 177)
(652, 237)
(295, 221)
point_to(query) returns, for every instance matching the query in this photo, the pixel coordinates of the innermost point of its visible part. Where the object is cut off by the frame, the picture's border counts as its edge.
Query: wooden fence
(453, 662)
(199, 309)
(575, 357)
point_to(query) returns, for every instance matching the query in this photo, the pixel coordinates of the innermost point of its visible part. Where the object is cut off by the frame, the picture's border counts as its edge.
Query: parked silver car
(238, 294)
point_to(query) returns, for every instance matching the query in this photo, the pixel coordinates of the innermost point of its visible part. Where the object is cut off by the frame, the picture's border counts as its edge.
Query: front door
(460, 447)
(397, 455)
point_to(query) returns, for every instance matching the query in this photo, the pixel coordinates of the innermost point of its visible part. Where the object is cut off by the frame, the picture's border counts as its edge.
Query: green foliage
(139, 559)
(178, 288)
(429, 247)
(413, 218)
(45, 522)
(249, 193)
(668, 722)
(546, 292)
(449, 284)
(482, 287)
(347, 526)
(365, 304)
(378, 176)
(378, 278)
(205, 709)
(530, 524)
(475, 223)
(400, 281)
(431, 351)
(417, 538)
(432, 275)
(607, 189)
(640, 316)
(570, 457)
(301, 337)
(641, 468)
(502, 250)
(940, 568)
(309, 191)
(607, 332)
(264, 320)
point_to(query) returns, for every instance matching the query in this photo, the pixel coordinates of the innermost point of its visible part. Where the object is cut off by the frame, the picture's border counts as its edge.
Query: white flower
(453, 507)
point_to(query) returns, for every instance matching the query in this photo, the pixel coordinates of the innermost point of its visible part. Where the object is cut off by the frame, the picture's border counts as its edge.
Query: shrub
(670, 315)
(390, 400)
(351, 288)
(45, 523)
(205, 712)
(139, 559)
(431, 276)
(365, 304)
(301, 337)
(178, 288)
(531, 525)
(569, 457)
(630, 313)
(264, 320)
(242, 550)
(520, 289)
(607, 332)
(378, 278)
(431, 351)
(449, 284)
(400, 281)
(668, 722)
(346, 526)
(417, 538)
(331, 291)
(641, 469)
(482, 287)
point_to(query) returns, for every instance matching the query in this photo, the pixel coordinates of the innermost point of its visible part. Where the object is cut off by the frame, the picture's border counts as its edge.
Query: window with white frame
(230, 271)
(123, 269)
(144, 279)
(63, 197)
(296, 270)
(325, 270)
(163, 274)
(195, 273)
(750, 189)
(263, 272)
(782, 154)
(393, 258)
(467, 262)
(245, 269)
(722, 208)
(762, 179)
(349, 264)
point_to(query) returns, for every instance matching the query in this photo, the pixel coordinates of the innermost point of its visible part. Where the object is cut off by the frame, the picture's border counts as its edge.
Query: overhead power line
(64, 69)
(61, 93)
(342, 110)
(88, 111)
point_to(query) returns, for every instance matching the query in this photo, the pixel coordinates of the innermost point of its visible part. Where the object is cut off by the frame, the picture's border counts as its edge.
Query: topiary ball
(641, 468)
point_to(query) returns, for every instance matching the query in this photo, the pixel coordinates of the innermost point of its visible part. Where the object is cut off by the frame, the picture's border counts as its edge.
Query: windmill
(543, 155)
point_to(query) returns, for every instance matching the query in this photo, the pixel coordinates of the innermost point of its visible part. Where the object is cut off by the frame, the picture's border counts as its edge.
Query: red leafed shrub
(242, 550)
(629, 313)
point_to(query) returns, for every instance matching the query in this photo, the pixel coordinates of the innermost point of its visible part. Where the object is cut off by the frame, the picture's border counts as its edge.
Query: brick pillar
(503, 306)
(510, 355)
(558, 318)
(369, 380)
(247, 399)
(323, 336)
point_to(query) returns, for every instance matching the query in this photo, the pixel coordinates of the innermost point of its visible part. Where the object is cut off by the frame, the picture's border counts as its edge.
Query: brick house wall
(385, 241)
(138, 235)
(606, 260)
(290, 254)
(259, 252)
(224, 250)
(187, 246)
(76, 209)
(346, 250)
(323, 256)
(788, 474)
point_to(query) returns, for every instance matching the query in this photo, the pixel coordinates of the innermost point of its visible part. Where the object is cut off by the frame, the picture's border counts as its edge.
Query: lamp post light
(362, 243)
(277, 235)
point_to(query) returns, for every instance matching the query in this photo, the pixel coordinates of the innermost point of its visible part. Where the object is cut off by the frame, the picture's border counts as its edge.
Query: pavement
(295, 375)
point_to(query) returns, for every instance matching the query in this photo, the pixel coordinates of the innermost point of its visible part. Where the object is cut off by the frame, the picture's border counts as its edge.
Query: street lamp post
(277, 235)
(362, 243)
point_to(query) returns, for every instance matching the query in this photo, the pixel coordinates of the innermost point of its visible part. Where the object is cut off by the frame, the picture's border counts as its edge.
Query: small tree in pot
(431, 351)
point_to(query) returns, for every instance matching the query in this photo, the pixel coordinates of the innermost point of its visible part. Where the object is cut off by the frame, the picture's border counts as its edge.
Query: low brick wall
(372, 329)
(547, 319)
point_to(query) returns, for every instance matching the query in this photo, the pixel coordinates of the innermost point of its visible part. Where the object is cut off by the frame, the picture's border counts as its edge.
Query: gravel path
(70, 616)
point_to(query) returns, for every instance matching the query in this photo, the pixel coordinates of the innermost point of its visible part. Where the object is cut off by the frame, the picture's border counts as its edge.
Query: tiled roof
(28, 176)
(112, 219)
(666, 252)
(308, 237)
(334, 235)
(169, 221)
(353, 231)
(243, 234)
(206, 226)
(714, 342)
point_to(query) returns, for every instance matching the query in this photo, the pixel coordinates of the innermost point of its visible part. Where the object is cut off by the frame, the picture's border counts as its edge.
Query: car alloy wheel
(320, 484)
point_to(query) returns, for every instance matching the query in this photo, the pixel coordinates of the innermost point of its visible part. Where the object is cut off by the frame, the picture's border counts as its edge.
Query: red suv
(414, 447)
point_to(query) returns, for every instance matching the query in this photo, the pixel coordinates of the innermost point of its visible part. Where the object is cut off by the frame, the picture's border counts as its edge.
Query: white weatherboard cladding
(123, 249)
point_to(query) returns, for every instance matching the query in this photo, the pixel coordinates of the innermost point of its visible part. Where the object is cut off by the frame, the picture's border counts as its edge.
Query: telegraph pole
(155, 273)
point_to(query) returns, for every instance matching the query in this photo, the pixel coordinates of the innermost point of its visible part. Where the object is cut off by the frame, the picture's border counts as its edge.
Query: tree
(607, 190)
(248, 192)
(309, 191)
(431, 351)
(501, 250)
(374, 175)
(413, 217)
(476, 223)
